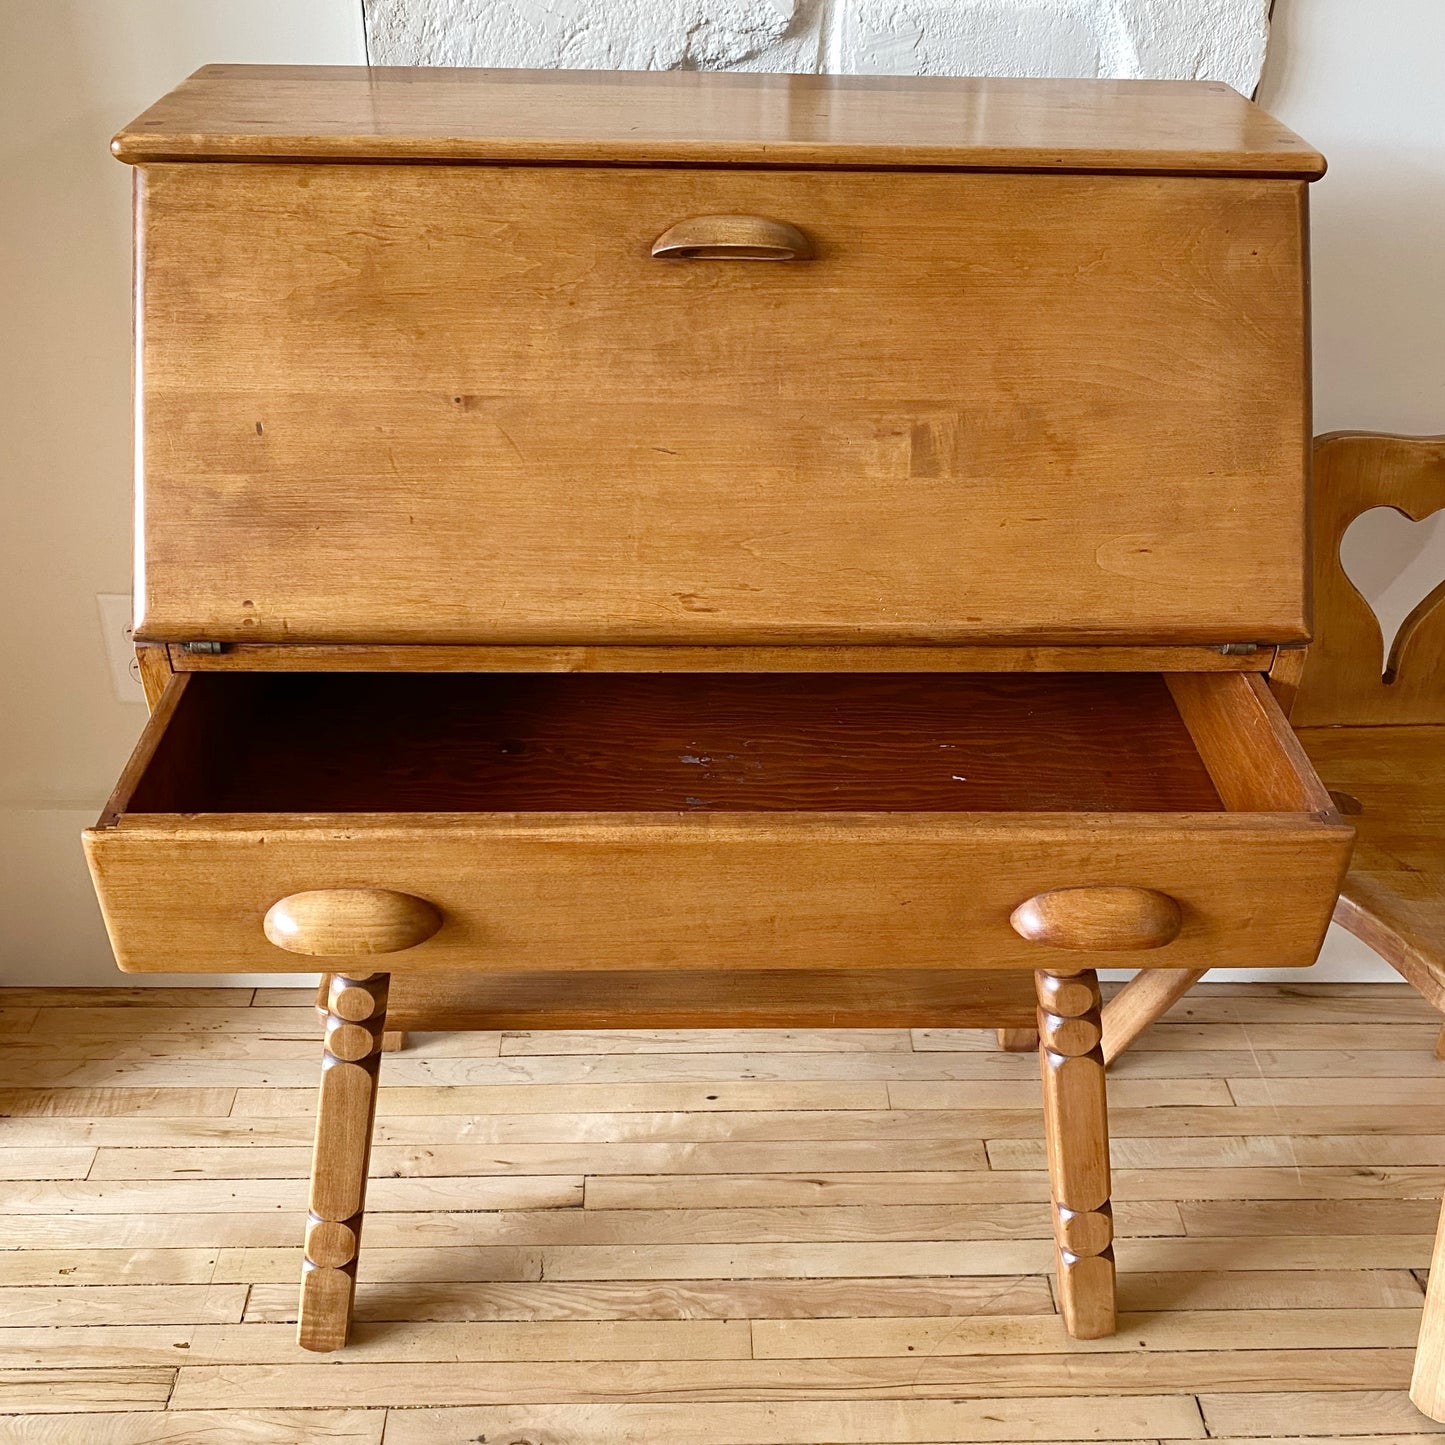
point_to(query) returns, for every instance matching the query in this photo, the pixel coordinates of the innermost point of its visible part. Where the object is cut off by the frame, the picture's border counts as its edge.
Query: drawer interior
(560, 742)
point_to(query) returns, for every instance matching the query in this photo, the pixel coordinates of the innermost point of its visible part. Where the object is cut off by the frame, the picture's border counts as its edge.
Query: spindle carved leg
(1076, 1131)
(355, 1022)
(1149, 994)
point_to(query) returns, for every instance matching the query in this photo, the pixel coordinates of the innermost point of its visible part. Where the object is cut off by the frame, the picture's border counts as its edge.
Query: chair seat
(1391, 783)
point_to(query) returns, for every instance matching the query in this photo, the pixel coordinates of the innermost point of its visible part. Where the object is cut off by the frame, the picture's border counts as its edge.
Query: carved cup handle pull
(350, 922)
(732, 238)
(1106, 918)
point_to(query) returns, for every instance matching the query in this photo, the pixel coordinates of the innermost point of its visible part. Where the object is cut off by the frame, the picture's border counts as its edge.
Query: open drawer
(725, 821)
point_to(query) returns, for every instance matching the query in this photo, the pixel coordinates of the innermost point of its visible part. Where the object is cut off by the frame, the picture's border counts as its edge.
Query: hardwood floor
(714, 1238)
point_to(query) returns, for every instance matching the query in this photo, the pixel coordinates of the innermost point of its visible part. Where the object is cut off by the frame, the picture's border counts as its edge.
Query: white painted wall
(71, 73)
(1181, 39)
(1355, 78)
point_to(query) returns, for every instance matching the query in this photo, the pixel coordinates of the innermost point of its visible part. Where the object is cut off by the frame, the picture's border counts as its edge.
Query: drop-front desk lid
(253, 112)
(467, 357)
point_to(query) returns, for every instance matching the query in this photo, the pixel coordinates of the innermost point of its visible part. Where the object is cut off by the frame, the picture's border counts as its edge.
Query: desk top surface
(354, 113)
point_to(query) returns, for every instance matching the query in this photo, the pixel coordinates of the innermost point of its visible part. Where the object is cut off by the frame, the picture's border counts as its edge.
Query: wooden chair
(1373, 725)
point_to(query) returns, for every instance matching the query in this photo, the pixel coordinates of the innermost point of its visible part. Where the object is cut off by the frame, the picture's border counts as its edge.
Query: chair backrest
(1347, 677)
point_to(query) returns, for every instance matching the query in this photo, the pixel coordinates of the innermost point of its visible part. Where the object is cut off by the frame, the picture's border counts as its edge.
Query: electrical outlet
(118, 635)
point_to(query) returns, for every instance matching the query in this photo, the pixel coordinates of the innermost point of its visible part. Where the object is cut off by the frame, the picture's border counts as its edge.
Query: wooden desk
(674, 550)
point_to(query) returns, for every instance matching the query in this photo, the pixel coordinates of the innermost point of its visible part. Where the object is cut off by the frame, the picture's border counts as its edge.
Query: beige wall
(1355, 78)
(72, 72)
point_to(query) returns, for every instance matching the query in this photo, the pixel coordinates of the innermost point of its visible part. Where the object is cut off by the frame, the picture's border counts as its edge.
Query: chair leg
(1150, 993)
(1018, 1041)
(355, 1022)
(1440, 1044)
(1076, 1133)
(393, 1041)
(1427, 1385)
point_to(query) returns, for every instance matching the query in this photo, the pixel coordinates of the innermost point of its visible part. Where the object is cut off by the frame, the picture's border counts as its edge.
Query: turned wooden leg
(1150, 993)
(1018, 1041)
(355, 1020)
(393, 1041)
(1427, 1385)
(1076, 1132)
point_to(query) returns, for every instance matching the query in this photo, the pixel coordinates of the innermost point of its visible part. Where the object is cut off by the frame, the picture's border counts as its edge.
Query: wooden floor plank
(141, 997)
(874, 1126)
(695, 1191)
(939, 1377)
(201, 1016)
(199, 1427)
(719, 1238)
(1353, 1289)
(225, 1196)
(1307, 1004)
(1424, 1093)
(96, 1346)
(25, 1265)
(1169, 1037)
(296, 997)
(115, 1102)
(1123, 1094)
(599, 1042)
(986, 1080)
(1328, 1413)
(715, 1097)
(386, 1261)
(112, 1304)
(70, 1389)
(1248, 1136)
(485, 1342)
(42, 1163)
(1197, 1329)
(1231, 1152)
(1317, 1217)
(1347, 1132)
(840, 1422)
(869, 1223)
(451, 1297)
(881, 1156)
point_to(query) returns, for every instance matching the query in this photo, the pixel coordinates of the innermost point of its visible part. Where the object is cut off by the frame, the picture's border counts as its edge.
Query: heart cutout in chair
(1395, 563)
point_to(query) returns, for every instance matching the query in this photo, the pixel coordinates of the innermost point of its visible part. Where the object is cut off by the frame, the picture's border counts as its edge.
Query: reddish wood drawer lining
(458, 742)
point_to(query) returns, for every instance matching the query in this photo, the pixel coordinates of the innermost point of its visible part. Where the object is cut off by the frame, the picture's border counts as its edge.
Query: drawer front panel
(723, 891)
(466, 404)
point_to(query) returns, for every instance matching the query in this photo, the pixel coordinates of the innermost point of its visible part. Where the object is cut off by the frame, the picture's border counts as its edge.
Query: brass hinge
(1240, 649)
(203, 649)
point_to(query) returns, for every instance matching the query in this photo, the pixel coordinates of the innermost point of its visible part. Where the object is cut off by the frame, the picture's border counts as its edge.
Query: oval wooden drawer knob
(1105, 918)
(349, 922)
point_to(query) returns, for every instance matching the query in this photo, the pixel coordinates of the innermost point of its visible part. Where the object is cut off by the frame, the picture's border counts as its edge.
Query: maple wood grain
(476, 409)
(378, 112)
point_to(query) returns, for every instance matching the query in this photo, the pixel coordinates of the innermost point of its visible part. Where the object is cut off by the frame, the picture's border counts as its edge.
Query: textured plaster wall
(1181, 39)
